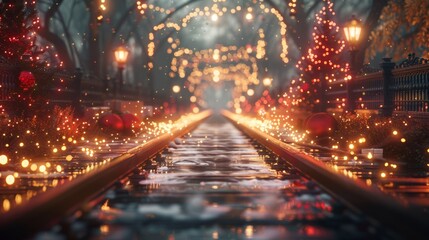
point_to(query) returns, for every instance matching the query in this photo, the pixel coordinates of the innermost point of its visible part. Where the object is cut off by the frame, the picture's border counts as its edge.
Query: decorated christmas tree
(18, 26)
(322, 64)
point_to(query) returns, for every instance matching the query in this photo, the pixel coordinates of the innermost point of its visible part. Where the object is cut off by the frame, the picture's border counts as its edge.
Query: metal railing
(63, 88)
(403, 89)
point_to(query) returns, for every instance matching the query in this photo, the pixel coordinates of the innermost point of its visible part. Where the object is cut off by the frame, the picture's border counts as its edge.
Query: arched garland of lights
(217, 69)
(102, 7)
(144, 6)
(219, 55)
(238, 74)
(292, 7)
(214, 12)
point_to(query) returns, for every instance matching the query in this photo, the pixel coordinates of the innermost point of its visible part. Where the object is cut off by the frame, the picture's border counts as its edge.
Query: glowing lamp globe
(352, 30)
(320, 124)
(121, 56)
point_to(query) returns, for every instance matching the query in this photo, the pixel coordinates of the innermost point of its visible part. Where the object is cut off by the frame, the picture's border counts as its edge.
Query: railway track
(215, 183)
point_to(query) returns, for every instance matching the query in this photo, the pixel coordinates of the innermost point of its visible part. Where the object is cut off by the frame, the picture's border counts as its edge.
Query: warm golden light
(250, 92)
(352, 30)
(25, 163)
(267, 81)
(10, 179)
(3, 159)
(42, 168)
(249, 16)
(214, 17)
(121, 56)
(176, 88)
(33, 167)
(6, 205)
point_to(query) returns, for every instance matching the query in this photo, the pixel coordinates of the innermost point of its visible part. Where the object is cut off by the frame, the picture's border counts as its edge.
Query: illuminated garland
(243, 74)
(292, 7)
(217, 69)
(214, 12)
(102, 7)
(142, 7)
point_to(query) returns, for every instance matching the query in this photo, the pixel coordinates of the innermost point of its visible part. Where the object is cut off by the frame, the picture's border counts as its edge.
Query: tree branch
(370, 24)
(51, 37)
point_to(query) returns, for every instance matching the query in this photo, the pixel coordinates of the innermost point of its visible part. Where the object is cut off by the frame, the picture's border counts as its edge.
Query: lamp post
(121, 56)
(352, 30)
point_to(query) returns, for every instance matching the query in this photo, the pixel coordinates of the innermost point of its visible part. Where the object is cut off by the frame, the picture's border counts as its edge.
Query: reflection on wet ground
(216, 183)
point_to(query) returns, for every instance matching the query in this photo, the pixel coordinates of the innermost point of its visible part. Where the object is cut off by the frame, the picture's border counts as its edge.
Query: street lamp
(121, 56)
(352, 30)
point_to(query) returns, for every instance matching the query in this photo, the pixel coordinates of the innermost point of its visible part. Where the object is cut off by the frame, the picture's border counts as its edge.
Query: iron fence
(63, 88)
(401, 89)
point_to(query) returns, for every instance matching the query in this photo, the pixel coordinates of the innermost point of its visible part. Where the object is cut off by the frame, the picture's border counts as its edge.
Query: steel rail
(49, 207)
(381, 208)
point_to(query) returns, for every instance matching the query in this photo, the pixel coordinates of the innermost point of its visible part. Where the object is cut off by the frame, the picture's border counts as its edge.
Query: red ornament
(112, 121)
(26, 80)
(320, 124)
(130, 121)
(305, 86)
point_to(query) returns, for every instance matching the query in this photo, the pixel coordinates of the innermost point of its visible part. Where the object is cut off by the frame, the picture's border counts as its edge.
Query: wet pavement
(216, 183)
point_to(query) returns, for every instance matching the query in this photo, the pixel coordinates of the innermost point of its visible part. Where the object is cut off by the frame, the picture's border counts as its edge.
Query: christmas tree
(18, 26)
(321, 65)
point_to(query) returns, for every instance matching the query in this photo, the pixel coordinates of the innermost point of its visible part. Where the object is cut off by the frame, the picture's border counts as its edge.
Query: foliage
(322, 64)
(402, 139)
(404, 28)
(414, 150)
(38, 135)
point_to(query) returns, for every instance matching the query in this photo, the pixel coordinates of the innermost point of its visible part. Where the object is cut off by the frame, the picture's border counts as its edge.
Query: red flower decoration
(26, 80)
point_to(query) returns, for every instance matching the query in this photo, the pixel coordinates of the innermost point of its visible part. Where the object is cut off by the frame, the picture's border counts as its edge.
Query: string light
(321, 66)
(243, 73)
(214, 12)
